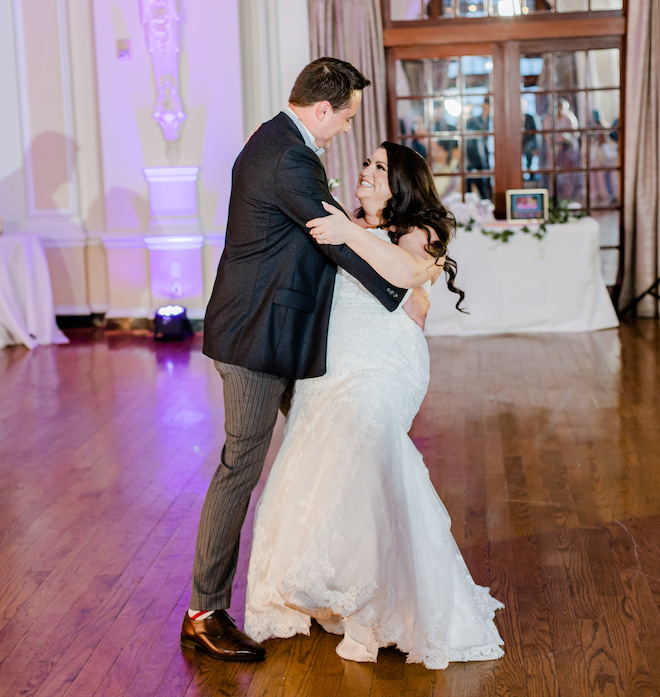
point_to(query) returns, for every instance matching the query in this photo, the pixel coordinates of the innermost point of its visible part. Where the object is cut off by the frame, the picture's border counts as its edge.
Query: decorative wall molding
(161, 19)
(57, 216)
(215, 239)
(114, 240)
(171, 242)
(79, 310)
(129, 313)
(173, 200)
(63, 242)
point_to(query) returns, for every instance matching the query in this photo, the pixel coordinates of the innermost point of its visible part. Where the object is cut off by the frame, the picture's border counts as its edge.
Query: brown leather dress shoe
(219, 637)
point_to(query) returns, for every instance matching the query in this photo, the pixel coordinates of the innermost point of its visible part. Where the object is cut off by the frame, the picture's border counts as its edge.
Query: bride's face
(373, 189)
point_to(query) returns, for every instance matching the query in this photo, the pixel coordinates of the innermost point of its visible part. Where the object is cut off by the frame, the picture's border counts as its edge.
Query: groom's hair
(327, 79)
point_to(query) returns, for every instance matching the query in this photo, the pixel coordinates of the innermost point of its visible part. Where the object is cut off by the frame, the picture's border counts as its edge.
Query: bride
(350, 530)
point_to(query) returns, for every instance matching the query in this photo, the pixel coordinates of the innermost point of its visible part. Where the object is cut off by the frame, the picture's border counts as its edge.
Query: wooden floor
(544, 448)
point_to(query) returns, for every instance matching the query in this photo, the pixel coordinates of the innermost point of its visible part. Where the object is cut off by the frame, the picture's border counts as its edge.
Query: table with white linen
(26, 297)
(525, 285)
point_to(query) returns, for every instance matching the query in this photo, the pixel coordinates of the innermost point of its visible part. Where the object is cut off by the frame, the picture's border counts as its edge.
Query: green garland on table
(558, 213)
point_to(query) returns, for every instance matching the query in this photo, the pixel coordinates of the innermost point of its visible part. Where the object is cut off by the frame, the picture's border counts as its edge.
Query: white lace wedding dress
(349, 529)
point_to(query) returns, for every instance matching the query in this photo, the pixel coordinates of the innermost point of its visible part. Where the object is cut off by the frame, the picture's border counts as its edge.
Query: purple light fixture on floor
(171, 323)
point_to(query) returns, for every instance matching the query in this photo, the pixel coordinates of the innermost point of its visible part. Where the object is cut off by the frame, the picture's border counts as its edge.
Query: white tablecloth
(26, 297)
(525, 285)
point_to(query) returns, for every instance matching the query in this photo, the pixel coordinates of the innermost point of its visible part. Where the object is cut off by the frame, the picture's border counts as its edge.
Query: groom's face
(331, 123)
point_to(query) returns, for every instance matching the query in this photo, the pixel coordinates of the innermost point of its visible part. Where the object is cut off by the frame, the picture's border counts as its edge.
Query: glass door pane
(411, 10)
(439, 9)
(572, 5)
(443, 109)
(570, 106)
(401, 10)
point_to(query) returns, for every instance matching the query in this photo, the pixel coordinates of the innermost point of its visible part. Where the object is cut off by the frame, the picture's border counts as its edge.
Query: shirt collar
(310, 142)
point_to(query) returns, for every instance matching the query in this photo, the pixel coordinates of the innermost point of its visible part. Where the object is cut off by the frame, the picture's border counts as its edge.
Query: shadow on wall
(125, 210)
(47, 157)
(52, 160)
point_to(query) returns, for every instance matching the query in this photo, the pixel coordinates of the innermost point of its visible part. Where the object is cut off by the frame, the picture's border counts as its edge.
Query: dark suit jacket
(270, 305)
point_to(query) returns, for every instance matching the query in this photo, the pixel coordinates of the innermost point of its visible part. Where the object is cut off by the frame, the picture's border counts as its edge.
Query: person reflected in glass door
(476, 149)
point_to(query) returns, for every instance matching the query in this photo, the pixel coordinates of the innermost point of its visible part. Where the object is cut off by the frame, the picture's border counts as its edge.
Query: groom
(267, 320)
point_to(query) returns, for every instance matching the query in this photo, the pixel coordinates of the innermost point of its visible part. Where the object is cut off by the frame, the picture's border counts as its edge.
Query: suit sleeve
(301, 186)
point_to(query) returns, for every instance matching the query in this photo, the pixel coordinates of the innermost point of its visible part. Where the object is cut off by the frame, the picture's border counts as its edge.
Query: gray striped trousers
(251, 400)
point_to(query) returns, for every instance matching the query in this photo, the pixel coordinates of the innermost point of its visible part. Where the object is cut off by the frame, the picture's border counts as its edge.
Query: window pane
(571, 187)
(445, 155)
(477, 72)
(410, 78)
(482, 187)
(411, 116)
(419, 145)
(546, 153)
(507, 8)
(603, 151)
(570, 70)
(538, 106)
(405, 9)
(479, 153)
(604, 108)
(447, 185)
(540, 181)
(535, 71)
(402, 10)
(604, 188)
(606, 4)
(472, 8)
(476, 114)
(445, 114)
(570, 151)
(532, 152)
(603, 68)
(439, 9)
(444, 75)
(572, 5)
(571, 111)
(530, 6)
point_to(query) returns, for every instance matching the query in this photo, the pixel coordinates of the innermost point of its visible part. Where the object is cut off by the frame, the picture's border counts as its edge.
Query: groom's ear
(322, 110)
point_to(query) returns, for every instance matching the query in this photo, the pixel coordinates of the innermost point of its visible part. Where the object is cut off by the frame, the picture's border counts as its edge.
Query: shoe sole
(188, 644)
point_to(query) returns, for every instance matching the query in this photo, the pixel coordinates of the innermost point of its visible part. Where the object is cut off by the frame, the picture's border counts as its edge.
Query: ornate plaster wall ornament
(161, 20)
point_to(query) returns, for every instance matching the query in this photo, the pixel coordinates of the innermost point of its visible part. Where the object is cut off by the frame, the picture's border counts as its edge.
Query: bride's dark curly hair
(415, 204)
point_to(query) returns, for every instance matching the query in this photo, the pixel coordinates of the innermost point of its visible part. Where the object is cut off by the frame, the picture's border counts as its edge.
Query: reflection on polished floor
(544, 448)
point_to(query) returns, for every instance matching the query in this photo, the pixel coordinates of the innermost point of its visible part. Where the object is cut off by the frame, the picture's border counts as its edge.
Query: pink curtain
(642, 158)
(352, 31)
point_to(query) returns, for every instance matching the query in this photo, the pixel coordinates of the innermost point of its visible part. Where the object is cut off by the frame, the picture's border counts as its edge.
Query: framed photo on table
(526, 205)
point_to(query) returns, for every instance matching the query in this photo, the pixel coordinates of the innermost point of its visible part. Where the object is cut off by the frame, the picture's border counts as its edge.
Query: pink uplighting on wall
(173, 199)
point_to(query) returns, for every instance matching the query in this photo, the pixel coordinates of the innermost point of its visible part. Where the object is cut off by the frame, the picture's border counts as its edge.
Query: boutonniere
(333, 183)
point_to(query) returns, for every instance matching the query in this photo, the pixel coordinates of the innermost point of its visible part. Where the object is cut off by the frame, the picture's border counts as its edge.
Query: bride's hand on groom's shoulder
(334, 228)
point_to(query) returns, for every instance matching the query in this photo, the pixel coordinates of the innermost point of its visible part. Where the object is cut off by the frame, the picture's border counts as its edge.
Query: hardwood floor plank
(602, 669)
(634, 671)
(573, 674)
(356, 679)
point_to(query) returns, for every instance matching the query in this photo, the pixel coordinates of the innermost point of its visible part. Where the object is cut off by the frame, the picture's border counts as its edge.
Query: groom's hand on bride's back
(417, 306)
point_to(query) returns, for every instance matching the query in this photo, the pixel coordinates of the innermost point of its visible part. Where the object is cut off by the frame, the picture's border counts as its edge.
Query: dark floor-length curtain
(352, 31)
(642, 156)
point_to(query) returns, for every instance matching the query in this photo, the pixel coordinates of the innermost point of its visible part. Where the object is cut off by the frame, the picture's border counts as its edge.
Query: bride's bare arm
(407, 264)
